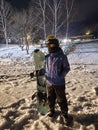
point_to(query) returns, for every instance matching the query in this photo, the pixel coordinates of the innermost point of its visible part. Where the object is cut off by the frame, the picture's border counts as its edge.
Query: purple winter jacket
(56, 68)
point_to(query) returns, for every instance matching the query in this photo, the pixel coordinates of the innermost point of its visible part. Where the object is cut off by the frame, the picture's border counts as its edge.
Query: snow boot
(51, 113)
(68, 120)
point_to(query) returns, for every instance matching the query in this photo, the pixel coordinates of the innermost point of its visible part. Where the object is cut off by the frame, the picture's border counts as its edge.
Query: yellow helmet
(52, 43)
(49, 37)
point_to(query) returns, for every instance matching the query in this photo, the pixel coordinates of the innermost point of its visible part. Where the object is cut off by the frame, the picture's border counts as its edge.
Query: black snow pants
(57, 92)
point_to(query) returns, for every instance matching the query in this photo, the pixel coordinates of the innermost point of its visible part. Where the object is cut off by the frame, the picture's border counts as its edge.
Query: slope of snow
(85, 54)
(19, 112)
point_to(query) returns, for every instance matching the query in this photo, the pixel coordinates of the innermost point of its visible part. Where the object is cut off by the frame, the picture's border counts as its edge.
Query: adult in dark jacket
(56, 68)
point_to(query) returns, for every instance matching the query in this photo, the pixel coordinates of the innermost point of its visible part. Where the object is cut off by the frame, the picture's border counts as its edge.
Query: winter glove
(32, 74)
(37, 73)
(40, 72)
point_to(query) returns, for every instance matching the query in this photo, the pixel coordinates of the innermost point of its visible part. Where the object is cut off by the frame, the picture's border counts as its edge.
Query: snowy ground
(18, 111)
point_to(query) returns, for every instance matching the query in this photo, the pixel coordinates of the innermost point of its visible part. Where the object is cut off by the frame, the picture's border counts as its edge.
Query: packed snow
(18, 111)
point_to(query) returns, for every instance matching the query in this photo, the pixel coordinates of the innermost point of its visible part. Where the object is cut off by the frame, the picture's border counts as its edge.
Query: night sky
(87, 9)
(19, 4)
(86, 12)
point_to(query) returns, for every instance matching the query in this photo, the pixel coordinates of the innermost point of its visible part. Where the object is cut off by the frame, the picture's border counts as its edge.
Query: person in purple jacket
(56, 68)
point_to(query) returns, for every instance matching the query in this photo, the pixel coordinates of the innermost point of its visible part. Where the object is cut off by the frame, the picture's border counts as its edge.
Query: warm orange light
(88, 32)
(28, 36)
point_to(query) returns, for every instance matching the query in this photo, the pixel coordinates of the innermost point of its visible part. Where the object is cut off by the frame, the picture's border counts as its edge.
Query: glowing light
(66, 40)
(28, 36)
(88, 32)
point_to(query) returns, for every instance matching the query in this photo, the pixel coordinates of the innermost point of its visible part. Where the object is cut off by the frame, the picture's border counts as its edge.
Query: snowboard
(39, 62)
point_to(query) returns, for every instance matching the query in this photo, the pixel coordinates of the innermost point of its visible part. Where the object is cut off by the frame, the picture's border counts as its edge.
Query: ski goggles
(51, 45)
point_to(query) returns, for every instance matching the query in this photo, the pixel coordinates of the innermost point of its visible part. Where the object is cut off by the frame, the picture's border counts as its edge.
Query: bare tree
(68, 14)
(25, 24)
(52, 17)
(55, 9)
(61, 14)
(21, 25)
(4, 15)
(42, 6)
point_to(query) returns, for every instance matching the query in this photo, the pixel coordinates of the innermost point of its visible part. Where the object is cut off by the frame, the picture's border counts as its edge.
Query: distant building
(82, 37)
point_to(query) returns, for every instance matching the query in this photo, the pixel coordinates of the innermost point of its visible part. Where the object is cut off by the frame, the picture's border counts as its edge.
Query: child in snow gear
(56, 68)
